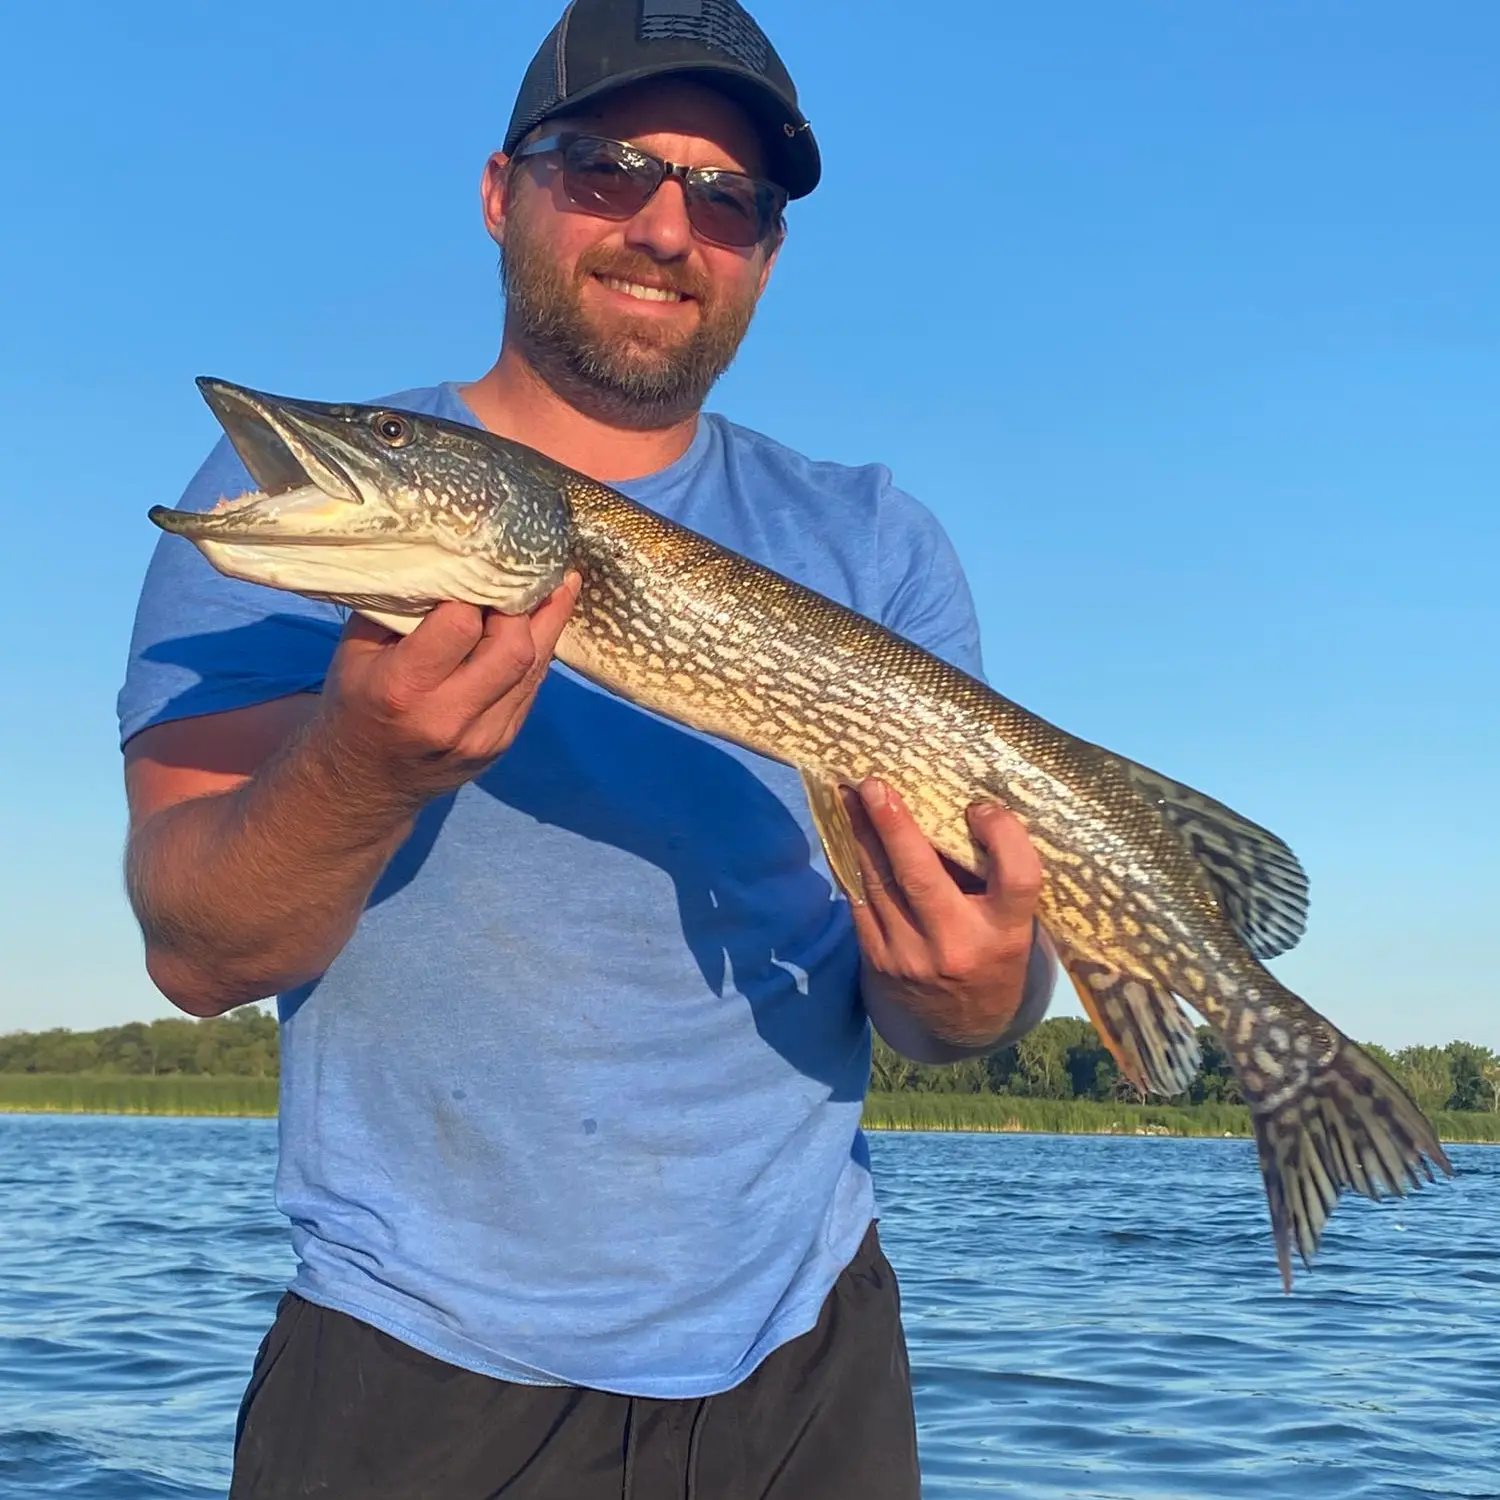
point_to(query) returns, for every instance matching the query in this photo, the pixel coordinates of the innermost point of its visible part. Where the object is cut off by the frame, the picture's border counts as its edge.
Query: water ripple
(1089, 1318)
(1117, 1329)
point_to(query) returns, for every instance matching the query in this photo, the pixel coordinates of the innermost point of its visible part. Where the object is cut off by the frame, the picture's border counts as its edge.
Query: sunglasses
(616, 180)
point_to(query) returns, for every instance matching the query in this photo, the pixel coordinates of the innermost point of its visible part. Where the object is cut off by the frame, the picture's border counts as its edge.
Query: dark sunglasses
(616, 180)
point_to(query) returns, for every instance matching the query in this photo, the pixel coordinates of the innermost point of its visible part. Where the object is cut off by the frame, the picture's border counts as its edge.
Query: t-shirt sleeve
(204, 643)
(926, 595)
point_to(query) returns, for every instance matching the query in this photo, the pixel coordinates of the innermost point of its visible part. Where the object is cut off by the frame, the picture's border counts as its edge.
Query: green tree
(1044, 1056)
(1216, 1082)
(1427, 1075)
(1492, 1080)
(1466, 1064)
(243, 1043)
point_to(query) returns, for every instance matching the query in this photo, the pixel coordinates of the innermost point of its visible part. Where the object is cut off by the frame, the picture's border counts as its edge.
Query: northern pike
(1152, 891)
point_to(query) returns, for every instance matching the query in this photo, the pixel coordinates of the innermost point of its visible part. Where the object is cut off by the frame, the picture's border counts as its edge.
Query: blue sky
(1183, 319)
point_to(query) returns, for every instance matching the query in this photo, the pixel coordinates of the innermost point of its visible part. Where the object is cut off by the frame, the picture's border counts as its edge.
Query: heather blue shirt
(580, 1100)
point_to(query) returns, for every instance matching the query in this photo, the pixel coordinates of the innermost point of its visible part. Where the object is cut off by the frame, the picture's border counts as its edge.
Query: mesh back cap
(601, 45)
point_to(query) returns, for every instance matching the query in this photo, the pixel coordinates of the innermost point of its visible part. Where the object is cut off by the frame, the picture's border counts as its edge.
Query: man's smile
(640, 291)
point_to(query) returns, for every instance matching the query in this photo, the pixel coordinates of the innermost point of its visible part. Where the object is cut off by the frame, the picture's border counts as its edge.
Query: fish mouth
(337, 517)
(304, 493)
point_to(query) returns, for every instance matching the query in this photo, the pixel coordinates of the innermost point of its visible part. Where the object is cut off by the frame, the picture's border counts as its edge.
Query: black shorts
(339, 1410)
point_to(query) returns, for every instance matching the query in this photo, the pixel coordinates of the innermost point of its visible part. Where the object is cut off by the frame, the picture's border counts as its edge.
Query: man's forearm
(247, 893)
(902, 1014)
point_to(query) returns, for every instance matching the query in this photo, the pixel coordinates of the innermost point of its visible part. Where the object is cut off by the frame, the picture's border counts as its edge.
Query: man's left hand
(945, 957)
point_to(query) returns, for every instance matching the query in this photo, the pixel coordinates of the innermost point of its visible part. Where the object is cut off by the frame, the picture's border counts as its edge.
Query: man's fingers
(875, 917)
(514, 651)
(497, 665)
(438, 646)
(1014, 878)
(915, 867)
(550, 617)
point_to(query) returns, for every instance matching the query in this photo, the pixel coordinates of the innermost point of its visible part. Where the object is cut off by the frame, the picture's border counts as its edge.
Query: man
(574, 1024)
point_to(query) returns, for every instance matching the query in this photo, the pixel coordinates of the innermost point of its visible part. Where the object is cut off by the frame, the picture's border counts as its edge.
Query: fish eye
(390, 427)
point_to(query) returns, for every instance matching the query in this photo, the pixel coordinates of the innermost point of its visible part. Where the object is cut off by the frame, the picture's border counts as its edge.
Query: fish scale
(1151, 890)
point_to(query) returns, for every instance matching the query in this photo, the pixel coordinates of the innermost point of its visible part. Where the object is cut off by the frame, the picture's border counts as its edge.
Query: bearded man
(575, 1026)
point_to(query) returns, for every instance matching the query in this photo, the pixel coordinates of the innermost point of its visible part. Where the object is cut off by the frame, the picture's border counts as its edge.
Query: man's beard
(646, 377)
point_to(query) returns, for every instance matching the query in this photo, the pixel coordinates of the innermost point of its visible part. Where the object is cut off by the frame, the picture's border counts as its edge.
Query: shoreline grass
(136, 1094)
(224, 1096)
(1004, 1114)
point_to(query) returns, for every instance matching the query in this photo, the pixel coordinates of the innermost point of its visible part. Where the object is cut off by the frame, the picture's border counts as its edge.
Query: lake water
(1088, 1317)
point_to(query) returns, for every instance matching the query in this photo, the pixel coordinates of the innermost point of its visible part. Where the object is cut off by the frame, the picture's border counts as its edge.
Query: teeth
(643, 293)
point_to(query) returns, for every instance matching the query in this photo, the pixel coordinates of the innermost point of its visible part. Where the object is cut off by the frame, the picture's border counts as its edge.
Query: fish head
(387, 511)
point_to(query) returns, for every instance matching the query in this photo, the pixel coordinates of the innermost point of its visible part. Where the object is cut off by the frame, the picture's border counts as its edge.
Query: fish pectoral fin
(1259, 882)
(831, 819)
(1143, 1026)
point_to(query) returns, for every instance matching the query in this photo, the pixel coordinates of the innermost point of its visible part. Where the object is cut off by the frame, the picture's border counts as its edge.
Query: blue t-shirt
(579, 1101)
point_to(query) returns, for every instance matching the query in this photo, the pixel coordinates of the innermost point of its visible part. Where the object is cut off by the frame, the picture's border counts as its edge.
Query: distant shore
(233, 1097)
(1002, 1113)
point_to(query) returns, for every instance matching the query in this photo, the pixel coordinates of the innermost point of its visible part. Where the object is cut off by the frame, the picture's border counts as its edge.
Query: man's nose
(661, 229)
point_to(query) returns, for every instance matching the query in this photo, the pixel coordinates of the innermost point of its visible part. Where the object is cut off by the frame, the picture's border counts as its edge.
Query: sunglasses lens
(608, 178)
(616, 181)
(729, 209)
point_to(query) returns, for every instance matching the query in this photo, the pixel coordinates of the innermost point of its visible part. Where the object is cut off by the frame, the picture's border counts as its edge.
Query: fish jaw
(385, 511)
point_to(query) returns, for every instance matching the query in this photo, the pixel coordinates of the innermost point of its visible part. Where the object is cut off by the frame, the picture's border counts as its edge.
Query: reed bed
(1465, 1127)
(1000, 1112)
(135, 1094)
(199, 1094)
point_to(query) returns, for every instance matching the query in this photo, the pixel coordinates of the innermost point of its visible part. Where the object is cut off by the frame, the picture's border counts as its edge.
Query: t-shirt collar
(649, 489)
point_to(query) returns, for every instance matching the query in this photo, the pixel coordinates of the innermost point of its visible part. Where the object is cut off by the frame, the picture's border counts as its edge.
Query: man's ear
(494, 195)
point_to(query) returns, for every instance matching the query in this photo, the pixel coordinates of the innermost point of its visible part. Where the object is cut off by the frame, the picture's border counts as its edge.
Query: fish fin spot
(831, 819)
(1258, 881)
(1140, 1023)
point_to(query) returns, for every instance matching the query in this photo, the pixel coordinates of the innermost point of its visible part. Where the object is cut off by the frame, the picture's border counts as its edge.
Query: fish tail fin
(1327, 1118)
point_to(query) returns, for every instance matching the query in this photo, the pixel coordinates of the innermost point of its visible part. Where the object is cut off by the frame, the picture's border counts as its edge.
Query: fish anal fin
(1140, 1023)
(1257, 879)
(831, 819)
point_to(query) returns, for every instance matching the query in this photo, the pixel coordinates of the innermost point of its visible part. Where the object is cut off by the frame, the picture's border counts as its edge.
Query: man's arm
(948, 971)
(256, 836)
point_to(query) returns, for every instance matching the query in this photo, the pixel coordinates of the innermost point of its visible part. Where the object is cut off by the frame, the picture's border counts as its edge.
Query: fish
(1153, 893)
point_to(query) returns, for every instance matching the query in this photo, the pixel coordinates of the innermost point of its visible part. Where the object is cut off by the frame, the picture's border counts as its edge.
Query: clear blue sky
(1182, 317)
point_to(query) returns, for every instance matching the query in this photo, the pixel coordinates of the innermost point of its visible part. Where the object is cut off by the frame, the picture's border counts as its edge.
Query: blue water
(1088, 1317)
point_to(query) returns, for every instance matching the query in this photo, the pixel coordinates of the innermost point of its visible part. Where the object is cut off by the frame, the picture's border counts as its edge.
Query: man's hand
(945, 964)
(412, 718)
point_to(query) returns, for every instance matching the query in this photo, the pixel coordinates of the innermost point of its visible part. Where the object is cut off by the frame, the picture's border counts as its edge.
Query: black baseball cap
(601, 45)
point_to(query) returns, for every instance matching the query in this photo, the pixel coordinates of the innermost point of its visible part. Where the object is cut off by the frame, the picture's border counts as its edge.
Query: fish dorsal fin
(1259, 881)
(831, 819)
(1142, 1025)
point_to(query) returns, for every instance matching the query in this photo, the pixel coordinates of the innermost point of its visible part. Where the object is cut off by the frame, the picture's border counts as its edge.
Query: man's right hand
(414, 717)
(257, 835)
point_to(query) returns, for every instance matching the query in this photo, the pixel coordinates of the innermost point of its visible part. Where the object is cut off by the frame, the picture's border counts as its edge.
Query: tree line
(1062, 1059)
(239, 1045)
